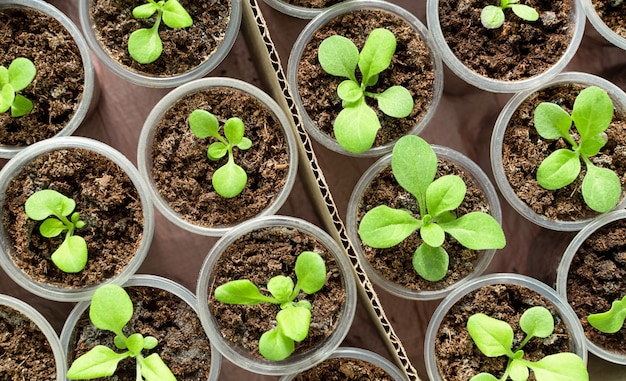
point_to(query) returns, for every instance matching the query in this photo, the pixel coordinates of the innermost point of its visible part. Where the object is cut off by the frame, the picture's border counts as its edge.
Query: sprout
(18, 76)
(492, 16)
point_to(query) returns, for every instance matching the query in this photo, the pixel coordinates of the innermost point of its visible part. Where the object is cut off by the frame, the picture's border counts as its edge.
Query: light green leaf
(71, 256)
(377, 52)
(241, 291)
(229, 180)
(338, 56)
(492, 17)
(217, 150)
(150, 342)
(275, 346)
(244, 144)
(120, 342)
(601, 188)
(349, 91)
(134, 343)
(592, 145)
(492, 336)
(414, 165)
(560, 367)
(612, 320)
(100, 361)
(4, 76)
(7, 96)
(431, 263)
(21, 73)
(153, 368)
(519, 371)
(483, 377)
(537, 322)
(384, 227)
(48, 202)
(476, 231)
(311, 272)
(294, 322)
(432, 234)
(525, 12)
(396, 101)
(592, 112)
(175, 15)
(21, 106)
(445, 194)
(234, 129)
(559, 169)
(203, 124)
(551, 121)
(111, 308)
(356, 127)
(145, 45)
(144, 11)
(51, 227)
(281, 288)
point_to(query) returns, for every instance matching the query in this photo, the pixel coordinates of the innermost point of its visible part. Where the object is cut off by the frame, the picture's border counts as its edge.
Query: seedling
(111, 309)
(17, 77)
(494, 338)
(230, 179)
(492, 16)
(71, 256)
(592, 113)
(612, 320)
(293, 320)
(414, 165)
(357, 124)
(144, 44)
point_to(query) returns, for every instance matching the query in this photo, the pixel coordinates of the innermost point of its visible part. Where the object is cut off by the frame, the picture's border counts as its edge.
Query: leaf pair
(492, 16)
(17, 77)
(612, 320)
(357, 124)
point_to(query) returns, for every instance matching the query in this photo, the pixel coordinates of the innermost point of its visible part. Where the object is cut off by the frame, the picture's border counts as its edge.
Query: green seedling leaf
(601, 188)
(432, 234)
(229, 180)
(592, 112)
(525, 12)
(338, 56)
(233, 130)
(17, 77)
(47, 202)
(203, 124)
(144, 11)
(281, 287)
(356, 127)
(414, 165)
(294, 322)
(396, 102)
(145, 45)
(175, 16)
(244, 144)
(612, 320)
(4, 76)
(51, 227)
(349, 91)
(241, 292)
(7, 96)
(537, 322)
(154, 369)
(100, 361)
(492, 336)
(377, 52)
(445, 194)
(483, 377)
(150, 342)
(21, 106)
(559, 367)
(476, 231)
(559, 169)
(111, 308)
(311, 272)
(71, 256)
(519, 371)
(431, 263)
(216, 151)
(135, 343)
(21, 73)
(120, 342)
(275, 346)
(551, 121)
(592, 145)
(384, 227)
(492, 17)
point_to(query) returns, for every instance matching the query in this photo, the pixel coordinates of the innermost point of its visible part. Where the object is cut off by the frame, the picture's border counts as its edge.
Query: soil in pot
(26, 353)
(344, 369)
(613, 14)
(313, 3)
(183, 344)
(183, 49)
(58, 86)
(523, 150)
(182, 172)
(258, 256)
(458, 358)
(518, 49)
(107, 201)
(411, 67)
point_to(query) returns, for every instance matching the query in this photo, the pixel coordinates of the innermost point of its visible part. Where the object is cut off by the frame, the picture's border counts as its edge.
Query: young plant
(492, 16)
(18, 76)
(111, 309)
(357, 124)
(293, 320)
(71, 256)
(144, 44)
(414, 165)
(230, 179)
(612, 320)
(592, 113)
(494, 338)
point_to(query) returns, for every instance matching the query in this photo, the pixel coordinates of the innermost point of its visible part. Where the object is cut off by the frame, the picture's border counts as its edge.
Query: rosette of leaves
(17, 77)
(357, 124)
(492, 16)
(612, 320)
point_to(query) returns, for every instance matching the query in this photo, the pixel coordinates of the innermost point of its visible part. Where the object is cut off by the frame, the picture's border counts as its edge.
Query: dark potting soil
(344, 369)
(26, 353)
(518, 49)
(258, 256)
(523, 150)
(313, 3)
(457, 356)
(107, 201)
(183, 344)
(395, 263)
(596, 278)
(58, 86)
(183, 49)
(182, 172)
(411, 67)
(613, 13)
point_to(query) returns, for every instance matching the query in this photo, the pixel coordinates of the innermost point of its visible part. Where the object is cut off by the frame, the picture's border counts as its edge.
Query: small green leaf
(311, 272)
(21, 73)
(384, 227)
(349, 91)
(241, 291)
(120, 342)
(396, 102)
(51, 227)
(233, 130)
(612, 320)
(145, 45)
(7, 96)
(150, 342)
(519, 371)
(551, 121)
(601, 188)
(135, 343)
(483, 377)
(71, 256)
(377, 52)
(21, 106)
(203, 124)
(229, 180)
(563, 366)
(537, 322)
(432, 234)
(245, 144)
(525, 12)
(175, 15)
(338, 56)
(48, 202)
(294, 322)
(492, 336)
(100, 361)
(559, 169)
(216, 151)
(492, 17)
(431, 263)
(476, 231)
(356, 127)
(275, 346)
(154, 369)
(592, 112)
(144, 11)
(111, 308)
(592, 145)
(414, 165)
(4, 76)
(445, 194)
(281, 288)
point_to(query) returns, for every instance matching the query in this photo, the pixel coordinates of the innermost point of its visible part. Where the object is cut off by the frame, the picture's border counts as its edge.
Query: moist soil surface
(411, 67)
(183, 344)
(58, 86)
(183, 49)
(313, 3)
(258, 256)
(458, 358)
(596, 278)
(518, 49)
(182, 172)
(395, 263)
(613, 13)
(523, 150)
(26, 353)
(106, 200)
(344, 369)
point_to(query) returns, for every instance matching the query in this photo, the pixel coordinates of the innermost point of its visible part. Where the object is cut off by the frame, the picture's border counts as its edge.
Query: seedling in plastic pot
(230, 179)
(17, 77)
(111, 309)
(592, 114)
(357, 124)
(492, 16)
(294, 318)
(144, 44)
(494, 338)
(71, 256)
(414, 165)
(612, 320)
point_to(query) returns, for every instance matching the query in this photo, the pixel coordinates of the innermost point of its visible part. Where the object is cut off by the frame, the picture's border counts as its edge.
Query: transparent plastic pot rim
(599, 25)
(8, 151)
(294, 10)
(500, 86)
(45, 327)
(144, 151)
(487, 255)
(322, 19)
(14, 167)
(294, 363)
(142, 280)
(563, 272)
(567, 314)
(619, 99)
(162, 82)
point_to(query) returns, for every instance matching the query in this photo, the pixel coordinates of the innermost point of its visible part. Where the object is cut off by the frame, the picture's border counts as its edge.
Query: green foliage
(592, 114)
(357, 124)
(414, 165)
(294, 318)
(71, 256)
(144, 44)
(111, 309)
(612, 320)
(494, 338)
(230, 179)
(17, 77)
(492, 16)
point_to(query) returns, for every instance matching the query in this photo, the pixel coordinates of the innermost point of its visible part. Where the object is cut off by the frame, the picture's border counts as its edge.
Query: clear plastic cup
(295, 10)
(600, 26)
